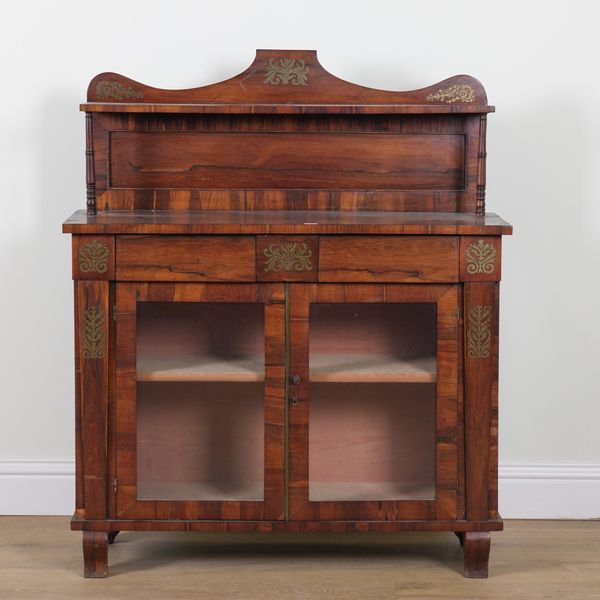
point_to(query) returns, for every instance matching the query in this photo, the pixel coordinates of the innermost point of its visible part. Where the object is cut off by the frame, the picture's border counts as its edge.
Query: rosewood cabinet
(286, 309)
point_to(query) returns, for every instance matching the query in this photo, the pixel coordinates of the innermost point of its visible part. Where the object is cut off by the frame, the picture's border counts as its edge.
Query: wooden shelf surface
(352, 491)
(201, 490)
(374, 368)
(284, 221)
(281, 108)
(320, 491)
(200, 368)
(331, 368)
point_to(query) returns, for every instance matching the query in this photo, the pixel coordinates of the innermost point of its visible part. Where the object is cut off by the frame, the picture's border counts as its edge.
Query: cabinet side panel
(111, 497)
(493, 484)
(79, 491)
(93, 341)
(480, 360)
(461, 410)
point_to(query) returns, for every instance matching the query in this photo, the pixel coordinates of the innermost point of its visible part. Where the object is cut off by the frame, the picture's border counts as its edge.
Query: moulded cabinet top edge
(300, 222)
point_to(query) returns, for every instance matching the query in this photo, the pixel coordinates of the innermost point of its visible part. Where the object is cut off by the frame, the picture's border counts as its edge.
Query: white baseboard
(549, 491)
(527, 490)
(37, 487)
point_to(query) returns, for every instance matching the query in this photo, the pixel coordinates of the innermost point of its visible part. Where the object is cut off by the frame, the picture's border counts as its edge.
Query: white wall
(539, 63)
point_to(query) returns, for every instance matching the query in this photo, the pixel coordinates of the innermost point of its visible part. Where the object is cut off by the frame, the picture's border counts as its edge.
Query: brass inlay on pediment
(286, 70)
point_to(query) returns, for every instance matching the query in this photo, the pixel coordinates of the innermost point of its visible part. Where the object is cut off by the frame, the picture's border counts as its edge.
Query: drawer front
(405, 259)
(185, 258)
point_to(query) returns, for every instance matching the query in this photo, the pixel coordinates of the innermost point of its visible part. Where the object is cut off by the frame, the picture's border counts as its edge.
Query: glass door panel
(200, 409)
(372, 372)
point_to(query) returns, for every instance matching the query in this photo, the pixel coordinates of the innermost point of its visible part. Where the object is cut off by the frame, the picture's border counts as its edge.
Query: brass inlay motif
(112, 90)
(479, 332)
(286, 70)
(93, 332)
(454, 94)
(289, 256)
(481, 258)
(93, 257)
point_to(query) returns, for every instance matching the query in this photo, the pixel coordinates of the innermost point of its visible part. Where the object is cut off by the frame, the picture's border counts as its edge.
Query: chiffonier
(286, 309)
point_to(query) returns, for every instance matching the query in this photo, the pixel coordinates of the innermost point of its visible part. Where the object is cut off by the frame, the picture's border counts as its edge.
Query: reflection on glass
(372, 401)
(200, 408)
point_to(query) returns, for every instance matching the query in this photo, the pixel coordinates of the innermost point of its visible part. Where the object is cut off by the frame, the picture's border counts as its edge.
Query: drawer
(185, 258)
(404, 259)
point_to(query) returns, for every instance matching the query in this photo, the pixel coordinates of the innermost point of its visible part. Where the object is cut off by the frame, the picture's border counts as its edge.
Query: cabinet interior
(372, 416)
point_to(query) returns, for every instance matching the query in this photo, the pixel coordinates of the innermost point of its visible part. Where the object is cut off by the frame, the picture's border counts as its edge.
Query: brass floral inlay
(288, 257)
(454, 94)
(93, 332)
(93, 257)
(113, 90)
(286, 70)
(481, 258)
(479, 332)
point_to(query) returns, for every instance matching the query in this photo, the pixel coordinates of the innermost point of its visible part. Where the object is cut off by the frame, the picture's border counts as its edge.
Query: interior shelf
(200, 490)
(368, 367)
(197, 367)
(323, 491)
(371, 368)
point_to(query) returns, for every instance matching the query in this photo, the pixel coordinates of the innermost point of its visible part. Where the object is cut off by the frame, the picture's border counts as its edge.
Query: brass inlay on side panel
(112, 90)
(286, 70)
(289, 256)
(480, 258)
(93, 257)
(454, 94)
(479, 332)
(93, 332)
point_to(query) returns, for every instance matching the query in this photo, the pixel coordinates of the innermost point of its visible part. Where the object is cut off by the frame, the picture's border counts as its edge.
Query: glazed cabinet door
(200, 385)
(373, 402)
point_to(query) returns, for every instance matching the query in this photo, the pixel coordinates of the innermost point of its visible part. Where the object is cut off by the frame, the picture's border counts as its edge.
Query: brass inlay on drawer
(93, 257)
(481, 258)
(289, 256)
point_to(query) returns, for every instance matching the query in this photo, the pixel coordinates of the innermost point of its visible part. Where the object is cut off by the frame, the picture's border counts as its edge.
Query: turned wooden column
(90, 169)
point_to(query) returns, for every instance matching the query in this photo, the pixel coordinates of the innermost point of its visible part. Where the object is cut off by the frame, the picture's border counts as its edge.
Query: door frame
(445, 504)
(127, 506)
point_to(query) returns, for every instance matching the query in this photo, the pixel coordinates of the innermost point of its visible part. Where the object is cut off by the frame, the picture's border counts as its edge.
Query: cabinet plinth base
(95, 554)
(474, 536)
(208, 526)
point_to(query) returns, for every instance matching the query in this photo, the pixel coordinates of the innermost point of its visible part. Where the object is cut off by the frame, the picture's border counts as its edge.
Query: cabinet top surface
(286, 82)
(284, 222)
